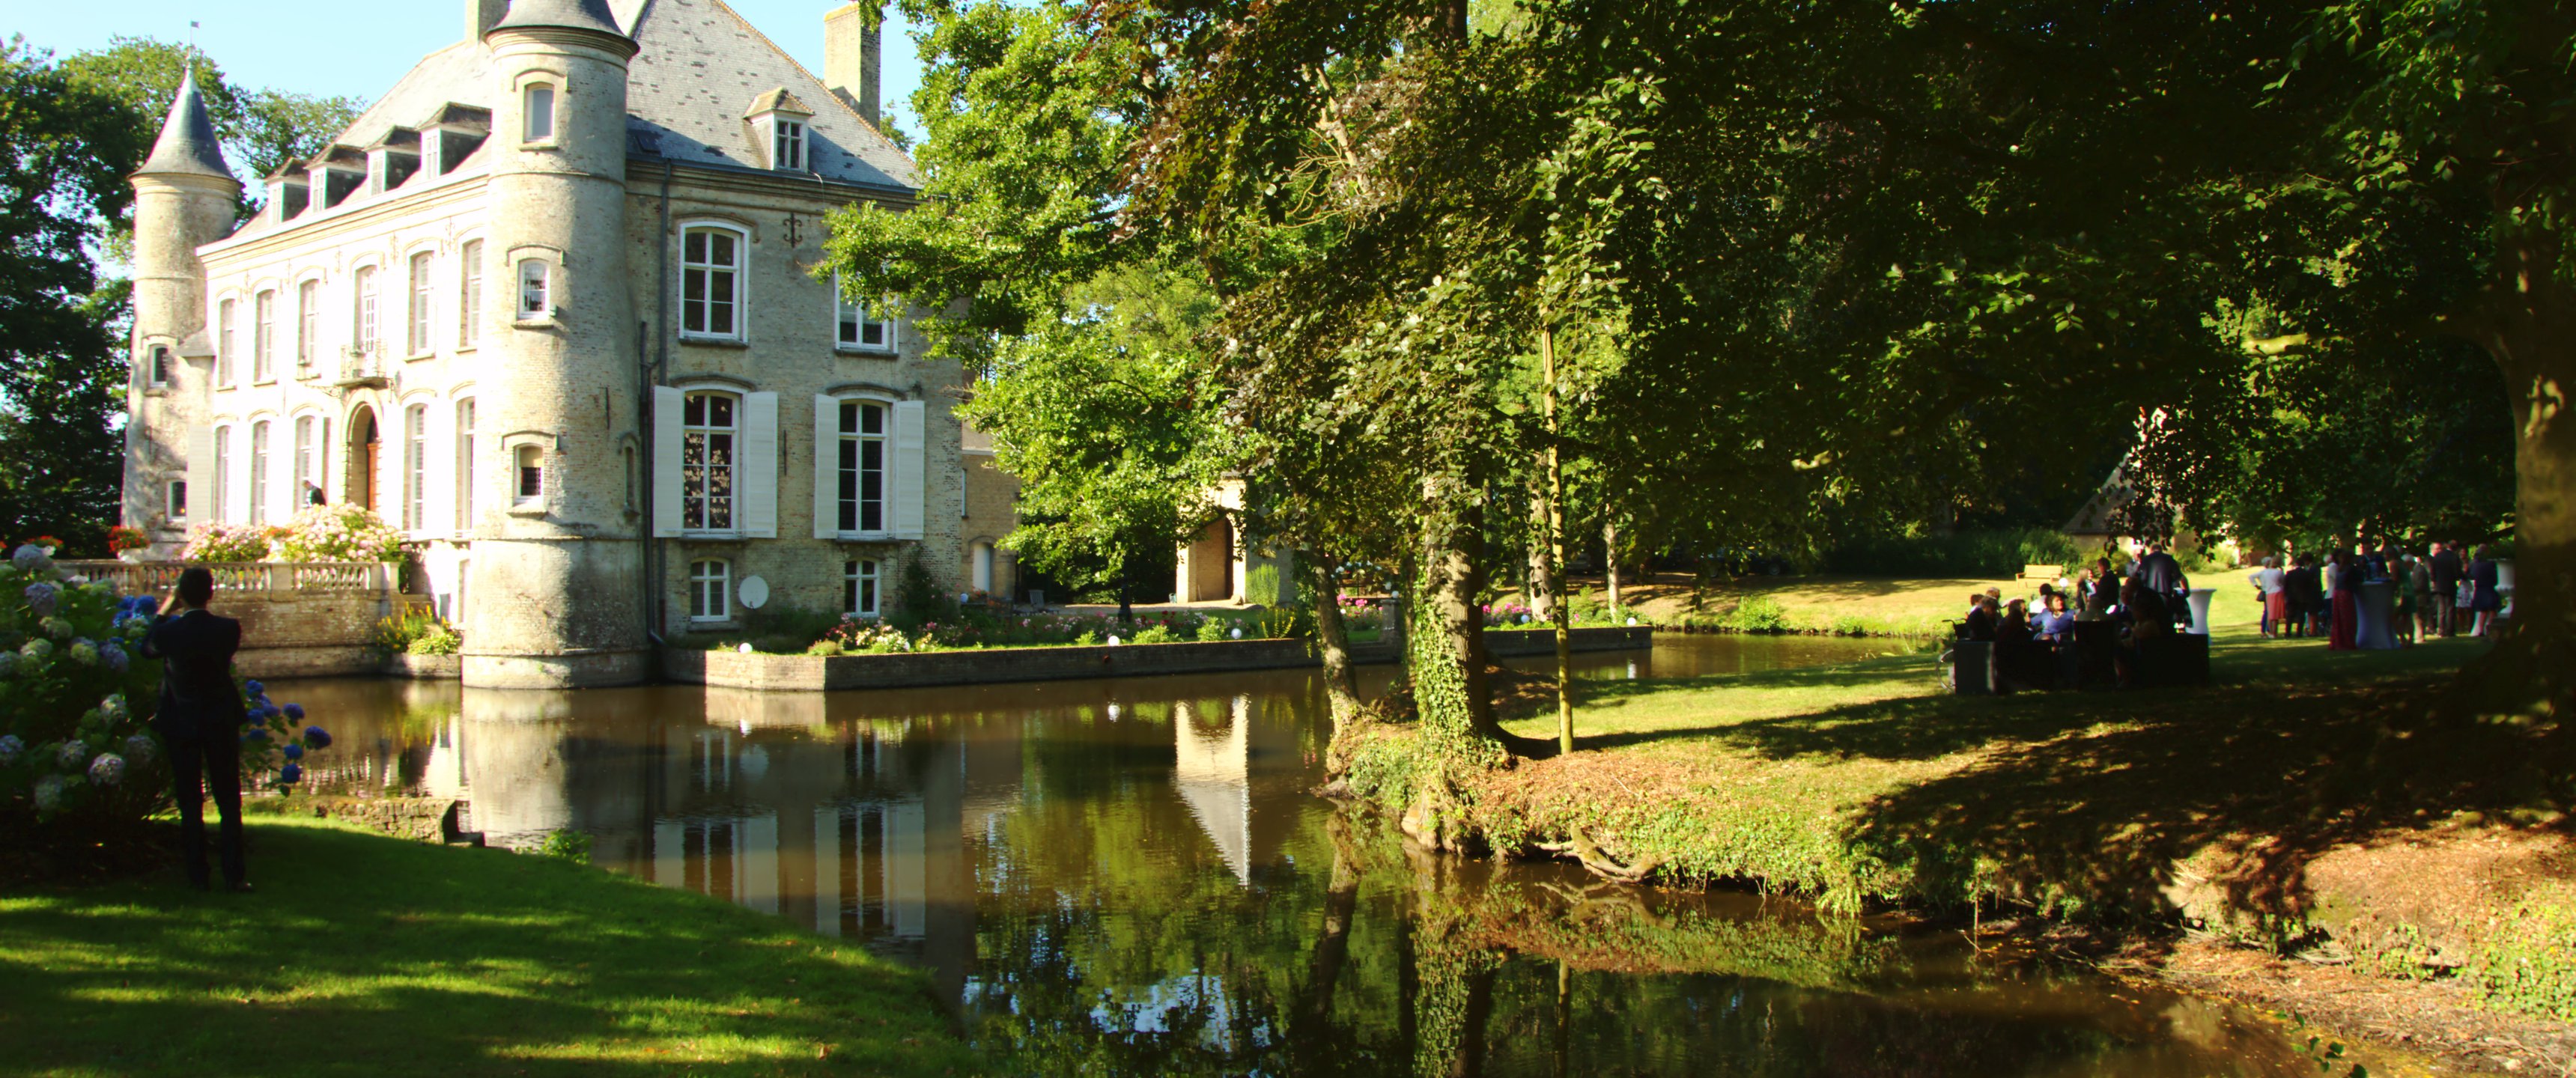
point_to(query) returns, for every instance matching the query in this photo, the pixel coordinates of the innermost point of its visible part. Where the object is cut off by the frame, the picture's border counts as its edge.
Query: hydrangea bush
(76, 697)
(325, 533)
(975, 630)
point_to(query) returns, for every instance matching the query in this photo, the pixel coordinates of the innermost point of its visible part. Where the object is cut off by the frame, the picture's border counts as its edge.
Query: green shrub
(1851, 625)
(566, 845)
(1759, 614)
(1155, 634)
(417, 630)
(1214, 629)
(1969, 554)
(917, 597)
(439, 640)
(1261, 585)
(2527, 962)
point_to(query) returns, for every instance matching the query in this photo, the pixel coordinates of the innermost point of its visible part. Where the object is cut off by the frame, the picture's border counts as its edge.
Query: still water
(1131, 878)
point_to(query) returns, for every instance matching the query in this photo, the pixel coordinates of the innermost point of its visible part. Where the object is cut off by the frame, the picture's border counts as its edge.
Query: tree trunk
(2527, 321)
(1451, 581)
(1552, 539)
(1542, 570)
(1332, 638)
(1126, 605)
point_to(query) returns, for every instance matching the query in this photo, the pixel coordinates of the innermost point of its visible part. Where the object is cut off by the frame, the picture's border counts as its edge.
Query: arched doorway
(364, 445)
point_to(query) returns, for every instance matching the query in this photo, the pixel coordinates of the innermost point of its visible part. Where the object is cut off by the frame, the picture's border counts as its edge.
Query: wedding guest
(2273, 586)
(2447, 574)
(200, 721)
(2484, 600)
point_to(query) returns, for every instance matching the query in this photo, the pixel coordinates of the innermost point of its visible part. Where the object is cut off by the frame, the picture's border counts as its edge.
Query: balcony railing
(361, 366)
(157, 578)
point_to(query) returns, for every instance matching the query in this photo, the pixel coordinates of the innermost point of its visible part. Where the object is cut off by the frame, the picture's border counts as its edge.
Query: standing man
(200, 721)
(2159, 573)
(2447, 572)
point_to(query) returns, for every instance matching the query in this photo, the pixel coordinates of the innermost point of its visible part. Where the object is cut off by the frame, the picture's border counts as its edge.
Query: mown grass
(366, 955)
(1862, 784)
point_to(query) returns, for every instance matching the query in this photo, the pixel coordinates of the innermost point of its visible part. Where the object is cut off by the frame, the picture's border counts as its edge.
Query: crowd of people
(2433, 594)
(2103, 626)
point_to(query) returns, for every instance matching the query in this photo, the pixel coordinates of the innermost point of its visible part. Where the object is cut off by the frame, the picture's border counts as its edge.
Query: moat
(1132, 878)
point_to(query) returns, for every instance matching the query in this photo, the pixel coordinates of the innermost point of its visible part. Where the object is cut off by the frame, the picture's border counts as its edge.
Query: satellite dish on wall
(754, 593)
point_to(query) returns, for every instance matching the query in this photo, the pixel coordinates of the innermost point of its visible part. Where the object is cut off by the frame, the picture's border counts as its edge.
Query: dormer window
(778, 123)
(788, 146)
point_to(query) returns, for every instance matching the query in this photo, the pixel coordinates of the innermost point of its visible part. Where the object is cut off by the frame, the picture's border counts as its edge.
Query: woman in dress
(2272, 586)
(2483, 599)
(2343, 578)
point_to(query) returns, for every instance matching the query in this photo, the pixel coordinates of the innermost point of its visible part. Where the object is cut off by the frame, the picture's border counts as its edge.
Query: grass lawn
(1894, 606)
(366, 955)
(1862, 783)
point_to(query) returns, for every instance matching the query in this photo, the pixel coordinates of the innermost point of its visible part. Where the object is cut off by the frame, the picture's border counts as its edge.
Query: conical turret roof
(188, 144)
(571, 14)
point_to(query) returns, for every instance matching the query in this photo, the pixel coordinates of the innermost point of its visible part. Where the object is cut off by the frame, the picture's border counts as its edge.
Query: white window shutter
(666, 462)
(237, 485)
(827, 467)
(201, 474)
(760, 465)
(911, 469)
(438, 468)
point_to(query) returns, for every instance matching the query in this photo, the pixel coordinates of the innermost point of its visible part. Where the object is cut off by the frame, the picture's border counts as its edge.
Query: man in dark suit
(2158, 573)
(200, 720)
(2447, 572)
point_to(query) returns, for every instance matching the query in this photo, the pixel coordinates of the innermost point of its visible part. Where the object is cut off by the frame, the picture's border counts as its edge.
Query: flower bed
(320, 533)
(76, 696)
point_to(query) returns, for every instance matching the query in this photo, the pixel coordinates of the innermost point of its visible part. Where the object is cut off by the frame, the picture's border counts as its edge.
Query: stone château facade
(548, 307)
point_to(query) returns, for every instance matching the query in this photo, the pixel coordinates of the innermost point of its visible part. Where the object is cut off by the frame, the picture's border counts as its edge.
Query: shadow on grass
(2080, 801)
(368, 955)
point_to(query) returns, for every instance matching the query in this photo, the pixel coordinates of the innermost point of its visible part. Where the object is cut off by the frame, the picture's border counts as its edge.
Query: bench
(2045, 573)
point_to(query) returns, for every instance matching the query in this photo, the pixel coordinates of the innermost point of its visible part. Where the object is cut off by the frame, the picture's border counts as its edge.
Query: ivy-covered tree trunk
(2527, 321)
(1332, 637)
(1451, 627)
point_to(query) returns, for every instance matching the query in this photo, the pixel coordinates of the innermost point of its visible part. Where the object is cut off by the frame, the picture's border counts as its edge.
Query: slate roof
(575, 14)
(700, 67)
(187, 144)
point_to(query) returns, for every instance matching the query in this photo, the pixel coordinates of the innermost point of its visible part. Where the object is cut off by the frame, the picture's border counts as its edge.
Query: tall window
(859, 589)
(529, 484)
(160, 373)
(710, 282)
(863, 455)
(364, 337)
(707, 462)
(308, 321)
(416, 467)
(175, 501)
(259, 472)
(216, 509)
(308, 458)
(788, 146)
(465, 464)
(710, 590)
(263, 337)
(469, 295)
(225, 312)
(540, 102)
(536, 289)
(419, 336)
(860, 329)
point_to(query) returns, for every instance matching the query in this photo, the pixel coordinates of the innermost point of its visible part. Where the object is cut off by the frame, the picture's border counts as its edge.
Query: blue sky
(359, 47)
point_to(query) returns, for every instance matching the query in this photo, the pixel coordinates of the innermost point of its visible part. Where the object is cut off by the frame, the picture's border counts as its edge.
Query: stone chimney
(481, 14)
(852, 56)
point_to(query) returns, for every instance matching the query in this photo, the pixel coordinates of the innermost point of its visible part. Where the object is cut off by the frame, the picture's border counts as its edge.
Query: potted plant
(128, 544)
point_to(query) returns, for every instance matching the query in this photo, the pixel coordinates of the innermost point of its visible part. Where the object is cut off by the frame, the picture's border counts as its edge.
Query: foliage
(982, 628)
(917, 597)
(64, 155)
(261, 129)
(566, 844)
(1759, 614)
(221, 543)
(2527, 960)
(75, 695)
(341, 533)
(1966, 554)
(418, 630)
(121, 539)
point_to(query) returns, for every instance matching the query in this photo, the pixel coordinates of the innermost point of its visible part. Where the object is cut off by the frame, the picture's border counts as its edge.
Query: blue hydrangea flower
(140, 748)
(296, 712)
(10, 747)
(31, 559)
(49, 789)
(294, 751)
(107, 770)
(290, 774)
(256, 733)
(72, 755)
(44, 599)
(255, 689)
(317, 737)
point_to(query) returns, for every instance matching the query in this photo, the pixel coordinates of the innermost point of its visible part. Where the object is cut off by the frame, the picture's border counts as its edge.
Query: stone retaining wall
(306, 634)
(814, 673)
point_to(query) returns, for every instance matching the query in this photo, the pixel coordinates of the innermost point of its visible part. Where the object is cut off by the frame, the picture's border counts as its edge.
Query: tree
(64, 155)
(262, 129)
